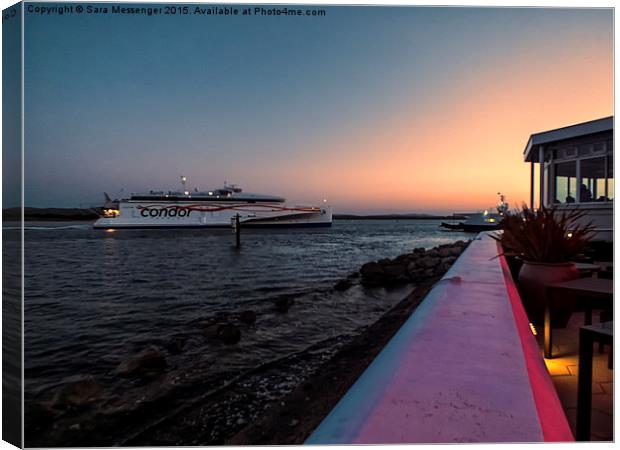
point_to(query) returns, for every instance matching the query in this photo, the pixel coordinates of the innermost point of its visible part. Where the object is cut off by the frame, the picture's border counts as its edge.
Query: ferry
(218, 208)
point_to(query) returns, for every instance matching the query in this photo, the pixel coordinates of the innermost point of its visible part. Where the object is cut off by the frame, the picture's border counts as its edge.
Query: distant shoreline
(396, 217)
(43, 214)
(86, 214)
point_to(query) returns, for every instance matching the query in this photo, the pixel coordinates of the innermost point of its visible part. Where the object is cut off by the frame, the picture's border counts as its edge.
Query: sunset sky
(378, 109)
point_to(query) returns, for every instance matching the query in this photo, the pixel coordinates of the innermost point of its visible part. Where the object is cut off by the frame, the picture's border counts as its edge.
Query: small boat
(452, 226)
(222, 207)
(481, 221)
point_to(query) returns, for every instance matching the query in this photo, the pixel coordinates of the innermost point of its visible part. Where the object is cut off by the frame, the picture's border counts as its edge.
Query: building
(576, 171)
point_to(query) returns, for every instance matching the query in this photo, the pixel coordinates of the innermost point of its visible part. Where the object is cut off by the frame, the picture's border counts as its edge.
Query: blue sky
(279, 105)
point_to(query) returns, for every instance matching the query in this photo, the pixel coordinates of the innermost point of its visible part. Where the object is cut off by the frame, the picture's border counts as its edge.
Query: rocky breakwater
(414, 267)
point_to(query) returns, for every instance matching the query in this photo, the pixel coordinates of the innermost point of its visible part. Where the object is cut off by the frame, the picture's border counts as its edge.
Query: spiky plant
(545, 235)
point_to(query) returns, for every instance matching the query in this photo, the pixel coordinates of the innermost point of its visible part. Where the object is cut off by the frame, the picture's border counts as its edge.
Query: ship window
(565, 182)
(592, 186)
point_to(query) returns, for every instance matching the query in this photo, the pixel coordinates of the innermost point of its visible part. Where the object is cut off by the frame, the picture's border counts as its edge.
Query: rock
(149, 362)
(371, 269)
(354, 275)
(77, 392)
(417, 275)
(402, 259)
(428, 261)
(229, 334)
(456, 251)
(444, 252)
(223, 331)
(442, 268)
(247, 317)
(283, 304)
(372, 274)
(411, 267)
(210, 331)
(395, 271)
(415, 266)
(175, 345)
(343, 285)
(448, 260)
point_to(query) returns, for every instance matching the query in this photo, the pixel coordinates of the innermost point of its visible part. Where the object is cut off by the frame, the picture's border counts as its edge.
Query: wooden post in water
(238, 230)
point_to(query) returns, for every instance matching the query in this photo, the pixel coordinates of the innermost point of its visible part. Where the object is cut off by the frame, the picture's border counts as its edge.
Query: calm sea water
(94, 297)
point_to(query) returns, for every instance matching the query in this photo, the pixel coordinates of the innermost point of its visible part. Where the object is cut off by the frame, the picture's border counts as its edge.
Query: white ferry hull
(221, 215)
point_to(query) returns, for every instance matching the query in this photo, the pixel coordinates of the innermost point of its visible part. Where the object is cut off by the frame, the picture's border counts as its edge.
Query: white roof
(530, 154)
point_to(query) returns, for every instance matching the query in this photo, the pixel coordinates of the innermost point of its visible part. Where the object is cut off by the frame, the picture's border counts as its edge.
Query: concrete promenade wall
(461, 369)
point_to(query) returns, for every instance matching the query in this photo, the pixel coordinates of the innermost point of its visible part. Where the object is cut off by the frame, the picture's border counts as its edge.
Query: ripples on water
(92, 297)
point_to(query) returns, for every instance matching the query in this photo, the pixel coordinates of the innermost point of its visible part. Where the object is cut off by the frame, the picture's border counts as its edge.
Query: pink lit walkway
(465, 367)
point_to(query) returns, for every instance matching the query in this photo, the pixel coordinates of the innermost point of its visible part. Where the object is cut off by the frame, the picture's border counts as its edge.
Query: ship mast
(183, 182)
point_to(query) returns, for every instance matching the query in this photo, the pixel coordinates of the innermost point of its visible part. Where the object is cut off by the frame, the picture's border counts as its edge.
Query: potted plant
(546, 241)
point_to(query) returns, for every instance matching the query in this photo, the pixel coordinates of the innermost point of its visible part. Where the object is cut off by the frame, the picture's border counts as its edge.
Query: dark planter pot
(533, 279)
(514, 265)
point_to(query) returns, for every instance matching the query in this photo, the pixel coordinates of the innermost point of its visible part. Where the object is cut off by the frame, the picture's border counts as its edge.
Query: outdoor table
(580, 287)
(588, 334)
(586, 269)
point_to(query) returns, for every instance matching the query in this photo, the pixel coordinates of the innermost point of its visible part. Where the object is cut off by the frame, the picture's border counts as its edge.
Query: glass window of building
(585, 149)
(565, 182)
(592, 185)
(599, 147)
(610, 177)
(570, 152)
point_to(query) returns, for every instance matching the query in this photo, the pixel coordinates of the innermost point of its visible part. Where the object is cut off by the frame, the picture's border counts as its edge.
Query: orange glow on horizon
(469, 144)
